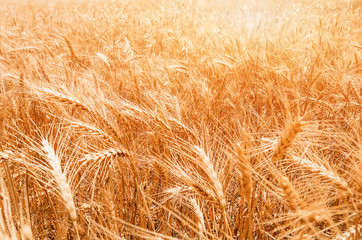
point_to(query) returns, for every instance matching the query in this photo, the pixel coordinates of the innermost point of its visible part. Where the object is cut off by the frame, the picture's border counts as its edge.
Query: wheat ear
(73, 56)
(91, 130)
(294, 201)
(200, 216)
(217, 188)
(290, 194)
(244, 167)
(61, 180)
(286, 140)
(75, 103)
(322, 171)
(213, 176)
(59, 97)
(112, 152)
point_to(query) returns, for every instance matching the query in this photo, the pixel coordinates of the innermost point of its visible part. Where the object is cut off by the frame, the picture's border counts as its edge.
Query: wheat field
(194, 119)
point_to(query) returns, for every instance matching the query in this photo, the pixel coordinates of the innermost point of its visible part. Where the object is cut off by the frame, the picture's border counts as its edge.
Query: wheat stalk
(7, 223)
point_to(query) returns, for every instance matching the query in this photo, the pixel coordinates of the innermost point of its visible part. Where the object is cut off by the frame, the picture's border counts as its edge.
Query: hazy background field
(180, 119)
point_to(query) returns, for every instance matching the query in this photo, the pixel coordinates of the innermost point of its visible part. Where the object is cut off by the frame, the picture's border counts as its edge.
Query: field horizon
(176, 119)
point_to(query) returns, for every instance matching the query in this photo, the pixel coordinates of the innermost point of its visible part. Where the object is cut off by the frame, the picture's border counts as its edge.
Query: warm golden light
(180, 119)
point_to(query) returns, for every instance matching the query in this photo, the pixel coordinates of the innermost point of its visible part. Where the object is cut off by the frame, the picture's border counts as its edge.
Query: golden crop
(155, 119)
